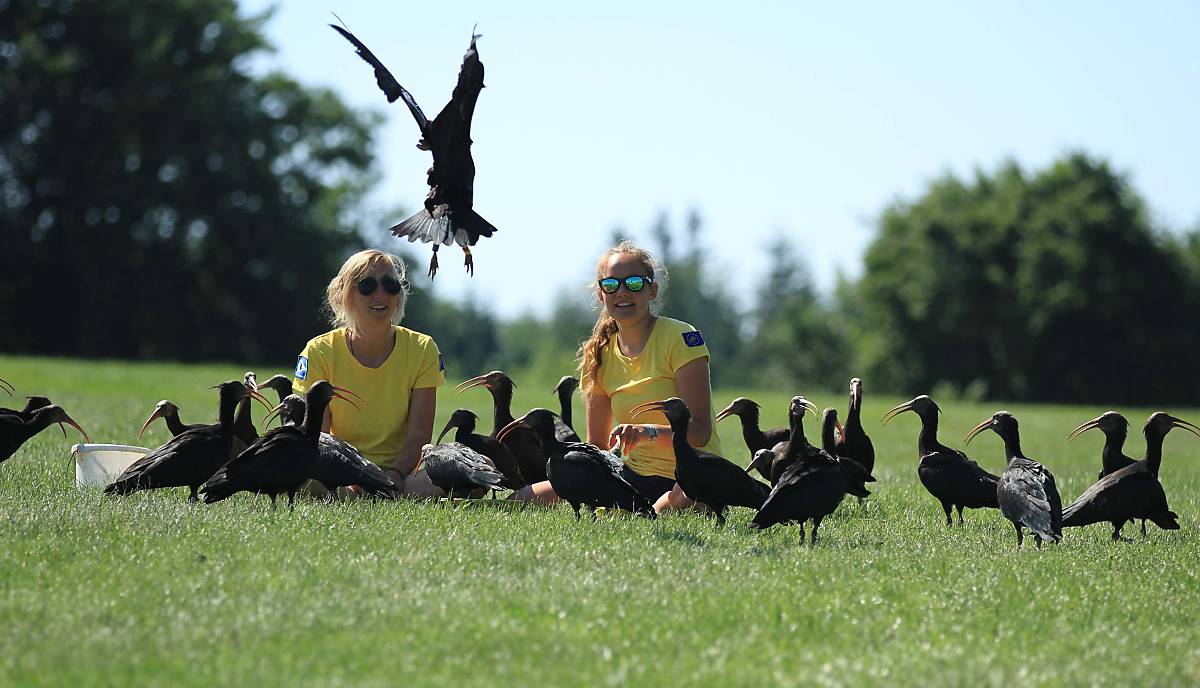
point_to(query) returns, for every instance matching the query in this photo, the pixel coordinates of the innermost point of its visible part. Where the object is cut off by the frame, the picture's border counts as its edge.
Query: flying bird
(448, 216)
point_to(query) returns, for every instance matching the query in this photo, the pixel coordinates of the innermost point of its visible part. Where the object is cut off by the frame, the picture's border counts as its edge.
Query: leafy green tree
(1049, 286)
(156, 198)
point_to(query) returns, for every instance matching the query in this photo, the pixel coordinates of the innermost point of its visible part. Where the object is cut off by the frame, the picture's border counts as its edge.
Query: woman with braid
(634, 356)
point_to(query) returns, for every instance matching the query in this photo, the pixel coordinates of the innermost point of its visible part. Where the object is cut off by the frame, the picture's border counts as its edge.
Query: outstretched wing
(387, 83)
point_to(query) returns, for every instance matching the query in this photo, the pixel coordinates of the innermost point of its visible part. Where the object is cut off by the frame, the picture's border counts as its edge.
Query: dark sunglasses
(634, 283)
(367, 285)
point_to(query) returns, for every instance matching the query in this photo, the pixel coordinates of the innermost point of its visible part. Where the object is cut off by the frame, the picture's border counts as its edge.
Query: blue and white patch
(693, 338)
(442, 363)
(301, 368)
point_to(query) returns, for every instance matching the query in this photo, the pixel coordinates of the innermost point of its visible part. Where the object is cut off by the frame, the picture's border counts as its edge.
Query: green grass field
(148, 589)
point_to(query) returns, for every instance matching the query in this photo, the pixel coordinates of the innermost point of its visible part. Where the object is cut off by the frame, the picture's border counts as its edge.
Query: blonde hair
(357, 266)
(588, 355)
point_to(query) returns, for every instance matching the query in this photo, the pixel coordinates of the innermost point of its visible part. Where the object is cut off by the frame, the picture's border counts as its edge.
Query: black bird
(811, 487)
(856, 475)
(564, 430)
(499, 455)
(756, 439)
(191, 457)
(522, 441)
(448, 216)
(948, 474)
(243, 422)
(1026, 492)
(339, 463)
(458, 470)
(16, 430)
(282, 459)
(854, 442)
(169, 412)
(795, 445)
(1133, 492)
(1112, 457)
(282, 385)
(580, 473)
(26, 412)
(703, 476)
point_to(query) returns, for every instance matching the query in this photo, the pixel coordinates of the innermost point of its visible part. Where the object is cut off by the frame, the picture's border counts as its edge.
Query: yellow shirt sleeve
(432, 370)
(311, 365)
(685, 347)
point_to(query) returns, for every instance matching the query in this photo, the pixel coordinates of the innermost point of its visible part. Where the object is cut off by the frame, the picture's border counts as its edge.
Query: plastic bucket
(98, 465)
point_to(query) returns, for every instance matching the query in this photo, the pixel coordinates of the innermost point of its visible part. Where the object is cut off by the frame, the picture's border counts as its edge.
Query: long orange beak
(754, 459)
(906, 406)
(725, 413)
(7, 387)
(276, 411)
(976, 430)
(449, 424)
(648, 407)
(253, 393)
(473, 382)
(1093, 423)
(69, 421)
(509, 428)
(838, 426)
(337, 394)
(1185, 425)
(810, 406)
(157, 414)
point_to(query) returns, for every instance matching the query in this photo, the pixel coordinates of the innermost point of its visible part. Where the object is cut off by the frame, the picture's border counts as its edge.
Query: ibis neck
(564, 402)
(679, 441)
(928, 440)
(175, 425)
(828, 438)
(1012, 445)
(752, 434)
(1112, 455)
(225, 415)
(243, 420)
(1154, 445)
(501, 408)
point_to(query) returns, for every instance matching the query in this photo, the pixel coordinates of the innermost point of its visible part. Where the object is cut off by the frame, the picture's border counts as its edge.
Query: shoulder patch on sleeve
(442, 363)
(301, 368)
(693, 338)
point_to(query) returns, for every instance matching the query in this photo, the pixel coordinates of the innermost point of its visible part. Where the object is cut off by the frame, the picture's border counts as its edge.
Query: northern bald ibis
(26, 412)
(1112, 457)
(339, 463)
(1027, 493)
(811, 487)
(16, 430)
(169, 412)
(458, 470)
(855, 474)
(564, 430)
(243, 422)
(282, 459)
(580, 473)
(522, 441)
(463, 420)
(191, 457)
(854, 442)
(448, 216)
(747, 411)
(948, 474)
(704, 476)
(282, 384)
(795, 445)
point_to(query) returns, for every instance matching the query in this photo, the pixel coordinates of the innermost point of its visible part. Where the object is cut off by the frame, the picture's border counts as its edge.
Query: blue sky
(771, 119)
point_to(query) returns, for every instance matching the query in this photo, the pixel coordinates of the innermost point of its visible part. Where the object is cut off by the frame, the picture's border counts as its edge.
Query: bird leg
(468, 261)
(1144, 528)
(194, 496)
(802, 533)
(272, 501)
(433, 264)
(816, 524)
(946, 508)
(291, 501)
(1038, 539)
(958, 507)
(576, 508)
(720, 514)
(1020, 535)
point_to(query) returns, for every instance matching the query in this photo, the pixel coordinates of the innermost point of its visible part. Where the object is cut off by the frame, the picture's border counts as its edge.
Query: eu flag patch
(693, 339)
(301, 368)
(442, 363)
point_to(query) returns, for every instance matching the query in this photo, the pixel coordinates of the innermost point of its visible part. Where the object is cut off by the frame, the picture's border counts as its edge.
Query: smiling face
(623, 305)
(377, 307)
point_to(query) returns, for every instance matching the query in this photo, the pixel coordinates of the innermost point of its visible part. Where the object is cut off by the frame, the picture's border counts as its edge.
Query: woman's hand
(396, 477)
(628, 436)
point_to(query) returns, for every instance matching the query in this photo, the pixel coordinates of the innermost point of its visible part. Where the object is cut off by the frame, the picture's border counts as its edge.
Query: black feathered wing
(340, 464)
(1132, 492)
(387, 83)
(1028, 496)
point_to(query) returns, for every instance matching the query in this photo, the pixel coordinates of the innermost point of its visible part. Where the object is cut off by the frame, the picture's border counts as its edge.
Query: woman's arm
(598, 408)
(417, 433)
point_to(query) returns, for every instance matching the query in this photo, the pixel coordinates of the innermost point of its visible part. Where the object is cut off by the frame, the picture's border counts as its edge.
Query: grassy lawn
(147, 589)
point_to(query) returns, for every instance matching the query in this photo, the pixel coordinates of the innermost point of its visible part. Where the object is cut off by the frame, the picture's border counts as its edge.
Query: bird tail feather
(445, 225)
(1166, 520)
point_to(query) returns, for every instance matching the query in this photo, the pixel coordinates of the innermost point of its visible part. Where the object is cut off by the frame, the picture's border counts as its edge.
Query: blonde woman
(395, 370)
(633, 356)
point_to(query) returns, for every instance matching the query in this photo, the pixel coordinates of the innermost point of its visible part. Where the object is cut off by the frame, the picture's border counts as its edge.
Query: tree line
(143, 166)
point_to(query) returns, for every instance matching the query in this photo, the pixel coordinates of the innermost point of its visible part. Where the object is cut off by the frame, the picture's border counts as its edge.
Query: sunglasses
(634, 283)
(367, 285)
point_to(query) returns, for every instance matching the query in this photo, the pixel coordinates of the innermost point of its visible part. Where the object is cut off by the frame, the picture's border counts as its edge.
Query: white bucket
(98, 465)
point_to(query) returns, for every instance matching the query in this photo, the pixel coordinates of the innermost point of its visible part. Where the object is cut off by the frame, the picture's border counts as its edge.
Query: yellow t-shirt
(377, 430)
(650, 376)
